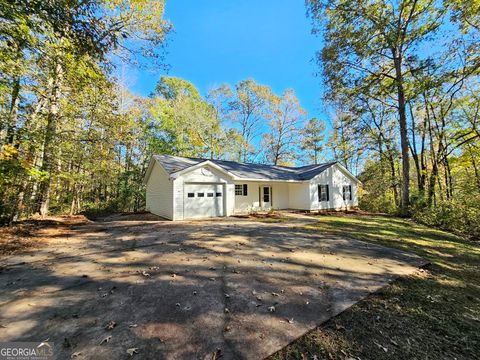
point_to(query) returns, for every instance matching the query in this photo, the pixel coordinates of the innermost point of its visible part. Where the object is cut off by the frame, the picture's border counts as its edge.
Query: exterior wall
(205, 174)
(159, 196)
(165, 197)
(251, 202)
(299, 196)
(335, 177)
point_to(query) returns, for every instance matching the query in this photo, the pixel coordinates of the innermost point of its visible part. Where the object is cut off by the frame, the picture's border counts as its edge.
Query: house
(185, 188)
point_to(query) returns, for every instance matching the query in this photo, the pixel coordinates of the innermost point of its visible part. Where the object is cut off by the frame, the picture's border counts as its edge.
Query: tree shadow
(183, 290)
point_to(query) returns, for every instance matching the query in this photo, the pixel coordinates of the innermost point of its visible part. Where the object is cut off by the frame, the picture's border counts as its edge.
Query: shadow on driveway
(186, 290)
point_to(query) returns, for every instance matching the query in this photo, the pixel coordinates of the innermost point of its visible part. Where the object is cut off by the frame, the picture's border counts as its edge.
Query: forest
(401, 85)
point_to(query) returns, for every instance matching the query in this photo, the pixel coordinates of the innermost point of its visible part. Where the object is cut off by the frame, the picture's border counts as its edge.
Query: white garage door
(203, 200)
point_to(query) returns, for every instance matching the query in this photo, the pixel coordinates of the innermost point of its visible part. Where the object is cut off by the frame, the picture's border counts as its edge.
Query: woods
(74, 138)
(401, 80)
(402, 77)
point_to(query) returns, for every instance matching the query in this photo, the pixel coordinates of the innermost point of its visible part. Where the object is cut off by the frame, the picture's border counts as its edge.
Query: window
(219, 194)
(266, 194)
(238, 190)
(347, 192)
(209, 194)
(190, 195)
(241, 189)
(200, 194)
(323, 194)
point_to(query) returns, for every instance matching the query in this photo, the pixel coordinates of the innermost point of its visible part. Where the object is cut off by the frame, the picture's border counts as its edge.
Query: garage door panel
(203, 200)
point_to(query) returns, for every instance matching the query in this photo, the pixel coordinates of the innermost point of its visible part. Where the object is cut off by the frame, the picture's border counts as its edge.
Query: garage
(203, 200)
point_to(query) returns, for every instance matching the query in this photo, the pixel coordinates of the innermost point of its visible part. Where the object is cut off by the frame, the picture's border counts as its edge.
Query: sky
(225, 41)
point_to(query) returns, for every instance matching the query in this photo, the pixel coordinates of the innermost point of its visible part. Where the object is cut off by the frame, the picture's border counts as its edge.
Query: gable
(336, 169)
(205, 173)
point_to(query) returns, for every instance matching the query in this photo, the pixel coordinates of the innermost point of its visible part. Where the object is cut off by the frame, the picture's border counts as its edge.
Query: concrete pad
(187, 290)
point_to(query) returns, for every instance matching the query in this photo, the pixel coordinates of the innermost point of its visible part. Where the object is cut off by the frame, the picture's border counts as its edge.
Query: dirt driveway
(186, 290)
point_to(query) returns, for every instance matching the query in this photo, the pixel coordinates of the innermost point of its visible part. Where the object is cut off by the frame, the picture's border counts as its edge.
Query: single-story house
(185, 188)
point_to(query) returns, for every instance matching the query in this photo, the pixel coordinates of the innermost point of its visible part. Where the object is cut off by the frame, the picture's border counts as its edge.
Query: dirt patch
(264, 217)
(35, 232)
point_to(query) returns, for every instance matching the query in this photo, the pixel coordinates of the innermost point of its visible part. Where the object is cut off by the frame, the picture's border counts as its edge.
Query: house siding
(159, 193)
(335, 177)
(245, 204)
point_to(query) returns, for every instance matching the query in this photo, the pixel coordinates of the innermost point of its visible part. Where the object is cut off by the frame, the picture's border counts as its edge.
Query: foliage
(285, 118)
(312, 137)
(401, 77)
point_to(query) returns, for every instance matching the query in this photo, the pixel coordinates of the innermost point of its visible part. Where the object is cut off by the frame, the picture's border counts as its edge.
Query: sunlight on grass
(430, 314)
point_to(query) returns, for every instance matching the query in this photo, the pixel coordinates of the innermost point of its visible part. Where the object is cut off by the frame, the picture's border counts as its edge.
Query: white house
(185, 188)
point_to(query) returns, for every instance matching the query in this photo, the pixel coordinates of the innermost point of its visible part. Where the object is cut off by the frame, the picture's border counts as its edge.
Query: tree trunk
(13, 112)
(405, 201)
(49, 146)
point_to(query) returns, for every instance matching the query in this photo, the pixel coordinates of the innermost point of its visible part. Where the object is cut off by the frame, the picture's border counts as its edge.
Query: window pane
(219, 194)
(190, 195)
(200, 194)
(209, 194)
(238, 189)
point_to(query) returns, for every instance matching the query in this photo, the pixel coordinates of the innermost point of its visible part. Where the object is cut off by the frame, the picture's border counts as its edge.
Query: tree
(247, 107)
(54, 51)
(286, 116)
(189, 122)
(312, 138)
(374, 43)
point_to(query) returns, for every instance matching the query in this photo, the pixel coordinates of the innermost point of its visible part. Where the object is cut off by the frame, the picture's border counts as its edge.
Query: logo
(26, 350)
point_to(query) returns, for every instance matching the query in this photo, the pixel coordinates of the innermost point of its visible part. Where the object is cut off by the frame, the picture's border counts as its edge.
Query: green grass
(433, 314)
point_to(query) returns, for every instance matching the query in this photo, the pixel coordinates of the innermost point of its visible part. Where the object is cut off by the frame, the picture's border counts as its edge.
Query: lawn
(433, 314)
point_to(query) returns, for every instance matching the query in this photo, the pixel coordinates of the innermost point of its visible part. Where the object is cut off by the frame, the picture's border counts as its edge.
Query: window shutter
(350, 190)
(319, 193)
(245, 189)
(328, 193)
(343, 192)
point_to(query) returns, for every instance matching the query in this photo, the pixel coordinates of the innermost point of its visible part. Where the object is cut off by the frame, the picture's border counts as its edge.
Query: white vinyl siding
(336, 178)
(159, 197)
(253, 201)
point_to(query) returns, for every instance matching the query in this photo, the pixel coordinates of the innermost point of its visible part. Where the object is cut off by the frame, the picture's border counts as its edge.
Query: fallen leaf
(75, 354)
(132, 325)
(271, 309)
(217, 354)
(132, 351)
(111, 324)
(275, 294)
(106, 340)
(381, 346)
(144, 273)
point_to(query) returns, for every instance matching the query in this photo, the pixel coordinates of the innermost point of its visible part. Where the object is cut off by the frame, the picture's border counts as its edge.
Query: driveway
(186, 290)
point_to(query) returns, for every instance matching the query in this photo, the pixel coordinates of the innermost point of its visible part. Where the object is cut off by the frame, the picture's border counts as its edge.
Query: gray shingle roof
(173, 164)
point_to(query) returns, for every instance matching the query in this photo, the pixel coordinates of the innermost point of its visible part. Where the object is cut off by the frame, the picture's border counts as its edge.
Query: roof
(174, 164)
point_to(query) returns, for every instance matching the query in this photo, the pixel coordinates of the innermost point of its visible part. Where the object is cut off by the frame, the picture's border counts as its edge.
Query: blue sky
(219, 42)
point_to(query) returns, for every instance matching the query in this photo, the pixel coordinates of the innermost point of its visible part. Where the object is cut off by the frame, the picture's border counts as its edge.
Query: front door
(266, 197)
